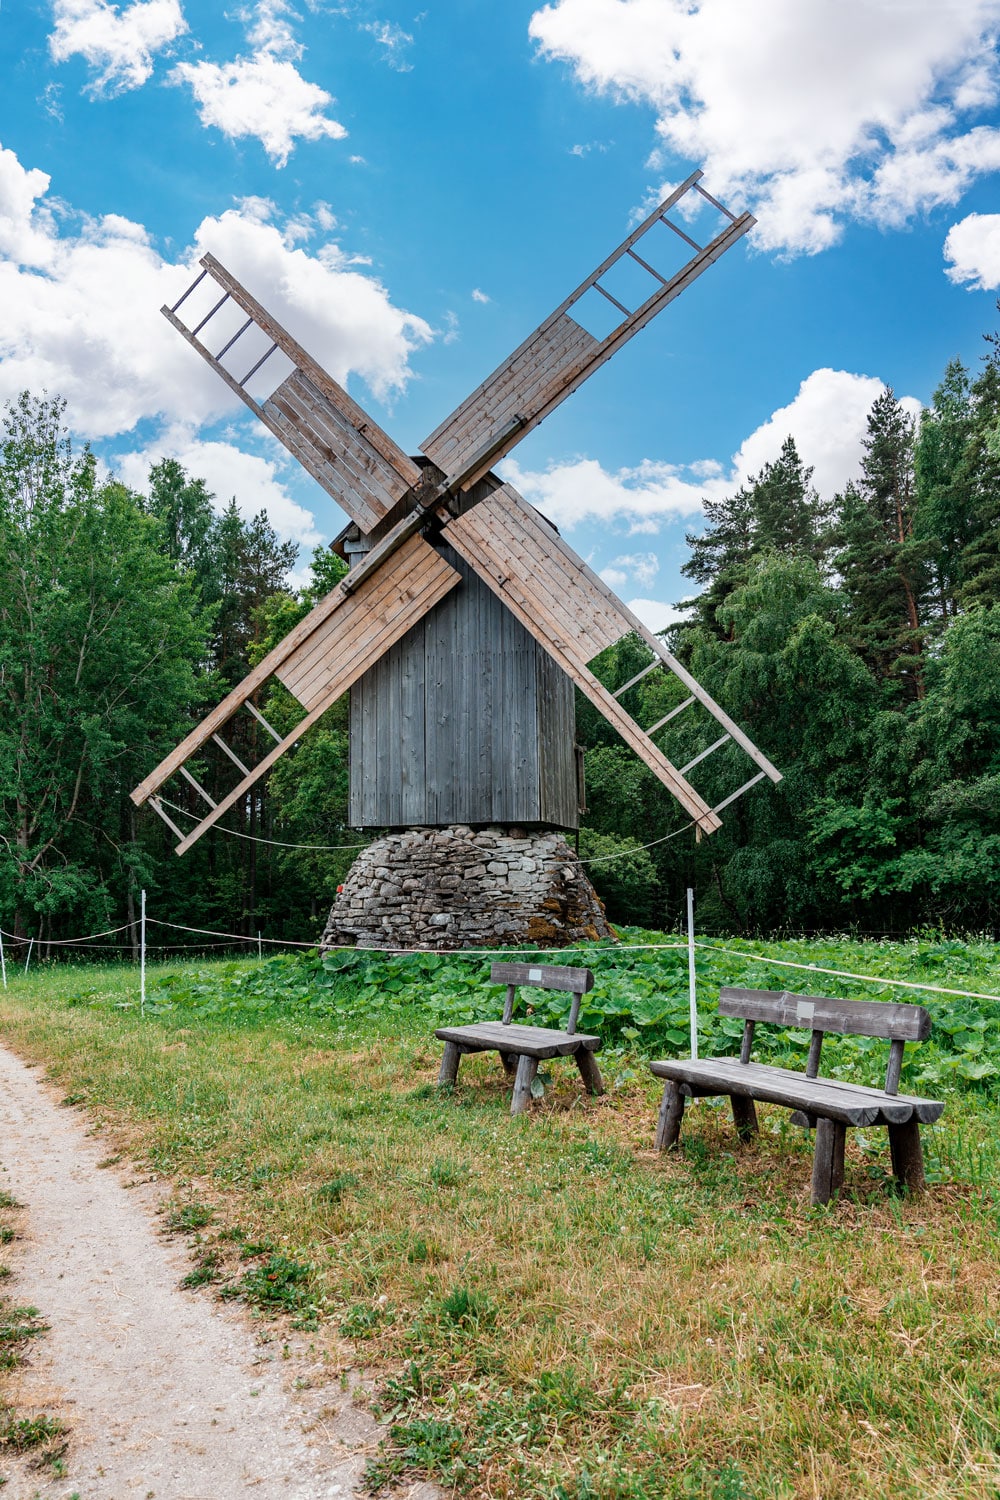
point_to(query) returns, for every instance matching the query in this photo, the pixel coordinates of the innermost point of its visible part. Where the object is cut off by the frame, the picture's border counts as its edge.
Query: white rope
(255, 839)
(65, 942)
(902, 984)
(783, 963)
(600, 859)
(445, 952)
(239, 937)
(597, 859)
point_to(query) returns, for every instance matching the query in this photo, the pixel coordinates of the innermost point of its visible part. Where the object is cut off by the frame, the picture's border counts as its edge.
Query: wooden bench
(825, 1104)
(522, 1048)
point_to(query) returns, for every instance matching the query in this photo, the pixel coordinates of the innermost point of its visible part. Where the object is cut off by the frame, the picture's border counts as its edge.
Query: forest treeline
(853, 636)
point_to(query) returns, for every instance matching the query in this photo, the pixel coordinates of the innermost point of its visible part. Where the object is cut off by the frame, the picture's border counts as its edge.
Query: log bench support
(521, 1048)
(826, 1105)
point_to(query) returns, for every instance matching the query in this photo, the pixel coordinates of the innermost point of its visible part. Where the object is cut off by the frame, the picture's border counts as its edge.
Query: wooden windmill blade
(560, 354)
(574, 616)
(338, 641)
(344, 450)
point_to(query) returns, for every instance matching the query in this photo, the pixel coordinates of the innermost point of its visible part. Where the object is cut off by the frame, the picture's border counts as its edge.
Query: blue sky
(412, 191)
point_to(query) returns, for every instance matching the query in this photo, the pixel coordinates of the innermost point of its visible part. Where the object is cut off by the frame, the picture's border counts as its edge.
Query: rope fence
(691, 946)
(253, 838)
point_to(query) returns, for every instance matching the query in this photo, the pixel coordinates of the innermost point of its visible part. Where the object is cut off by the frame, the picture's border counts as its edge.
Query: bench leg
(527, 1067)
(509, 1060)
(907, 1155)
(744, 1116)
(449, 1063)
(589, 1071)
(668, 1125)
(828, 1160)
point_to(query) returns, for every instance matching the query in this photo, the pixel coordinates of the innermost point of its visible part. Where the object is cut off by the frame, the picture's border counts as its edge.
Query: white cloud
(827, 419)
(973, 247)
(478, 295)
(582, 490)
(642, 567)
(81, 309)
(811, 113)
(118, 44)
(229, 472)
(262, 96)
(395, 41)
(655, 614)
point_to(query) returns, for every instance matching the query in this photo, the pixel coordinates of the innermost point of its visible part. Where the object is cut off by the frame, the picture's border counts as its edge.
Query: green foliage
(639, 1003)
(98, 636)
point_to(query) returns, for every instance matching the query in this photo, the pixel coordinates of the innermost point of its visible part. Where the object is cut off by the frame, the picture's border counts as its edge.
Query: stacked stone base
(459, 888)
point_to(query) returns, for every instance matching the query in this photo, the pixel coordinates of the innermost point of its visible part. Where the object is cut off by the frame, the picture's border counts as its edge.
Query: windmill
(465, 621)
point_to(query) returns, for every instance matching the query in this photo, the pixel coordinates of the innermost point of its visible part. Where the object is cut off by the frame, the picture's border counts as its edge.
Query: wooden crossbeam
(622, 621)
(559, 355)
(574, 615)
(499, 541)
(335, 440)
(404, 589)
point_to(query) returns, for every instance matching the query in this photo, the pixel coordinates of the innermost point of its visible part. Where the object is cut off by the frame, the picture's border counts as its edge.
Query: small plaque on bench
(534, 976)
(805, 1010)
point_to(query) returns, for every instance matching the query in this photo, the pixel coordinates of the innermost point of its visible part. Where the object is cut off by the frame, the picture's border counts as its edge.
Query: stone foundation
(459, 888)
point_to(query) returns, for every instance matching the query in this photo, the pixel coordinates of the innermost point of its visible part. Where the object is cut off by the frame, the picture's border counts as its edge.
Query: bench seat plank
(525, 1041)
(853, 1104)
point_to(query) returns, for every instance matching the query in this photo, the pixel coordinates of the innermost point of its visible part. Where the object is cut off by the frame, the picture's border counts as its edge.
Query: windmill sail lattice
(411, 516)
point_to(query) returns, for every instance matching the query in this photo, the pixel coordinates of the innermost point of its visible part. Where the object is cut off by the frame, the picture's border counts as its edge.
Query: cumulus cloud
(582, 490)
(973, 248)
(119, 44)
(827, 419)
(810, 114)
(229, 472)
(82, 299)
(263, 95)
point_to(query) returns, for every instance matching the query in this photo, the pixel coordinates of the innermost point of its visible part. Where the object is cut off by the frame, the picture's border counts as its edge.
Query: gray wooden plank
(543, 976)
(841, 1101)
(525, 1041)
(552, 350)
(881, 1018)
(411, 651)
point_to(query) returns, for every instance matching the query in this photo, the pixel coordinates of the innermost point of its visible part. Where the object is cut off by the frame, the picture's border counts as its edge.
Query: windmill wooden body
(466, 621)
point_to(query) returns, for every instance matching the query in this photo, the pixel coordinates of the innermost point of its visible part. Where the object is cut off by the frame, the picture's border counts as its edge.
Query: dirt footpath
(167, 1395)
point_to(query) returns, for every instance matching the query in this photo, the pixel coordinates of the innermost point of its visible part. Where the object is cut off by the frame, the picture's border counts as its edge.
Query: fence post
(260, 946)
(692, 991)
(142, 954)
(3, 962)
(27, 961)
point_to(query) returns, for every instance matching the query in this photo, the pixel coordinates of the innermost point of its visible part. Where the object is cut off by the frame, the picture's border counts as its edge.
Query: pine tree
(787, 513)
(979, 473)
(776, 511)
(944, 494)
(881, 563)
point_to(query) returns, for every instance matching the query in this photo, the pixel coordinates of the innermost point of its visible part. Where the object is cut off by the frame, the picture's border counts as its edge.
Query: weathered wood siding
(465, 720)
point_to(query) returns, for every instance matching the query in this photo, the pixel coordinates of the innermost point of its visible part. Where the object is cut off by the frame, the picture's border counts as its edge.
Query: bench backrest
(817, 1013)
(543, 977)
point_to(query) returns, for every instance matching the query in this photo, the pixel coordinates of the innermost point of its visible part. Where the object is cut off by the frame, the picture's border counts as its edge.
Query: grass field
(549, 1309)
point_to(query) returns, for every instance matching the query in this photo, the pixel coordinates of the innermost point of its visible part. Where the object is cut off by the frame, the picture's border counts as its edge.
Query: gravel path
(167, 1396)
